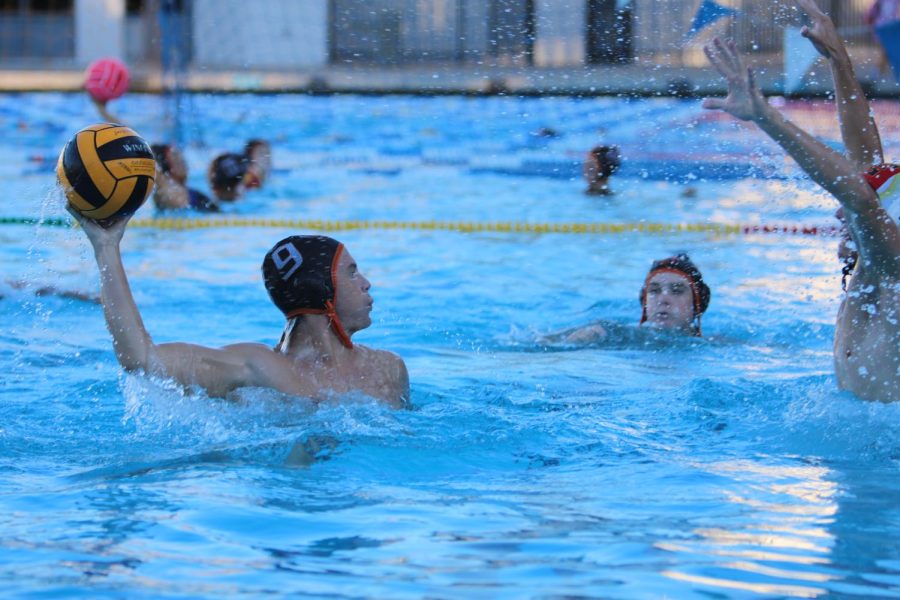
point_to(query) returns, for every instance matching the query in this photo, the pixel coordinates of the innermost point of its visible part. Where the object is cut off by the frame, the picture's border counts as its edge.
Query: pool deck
(632, 79)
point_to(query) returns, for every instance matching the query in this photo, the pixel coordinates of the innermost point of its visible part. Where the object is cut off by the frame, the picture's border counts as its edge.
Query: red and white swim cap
(885, 180)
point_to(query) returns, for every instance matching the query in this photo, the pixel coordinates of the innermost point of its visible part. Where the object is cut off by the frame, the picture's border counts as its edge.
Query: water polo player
(258, 154)
(318, 286)
(171, 190)
(106, 79)
(673, 299)
(226, 176)
(885, 180)
(231, 174)
(674, 295)
(867, 329)
(599, 165)
(859, 131)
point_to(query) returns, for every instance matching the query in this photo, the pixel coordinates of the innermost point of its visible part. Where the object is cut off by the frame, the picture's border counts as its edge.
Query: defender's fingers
(723, 50)
(737, 59)
(811, 8)
(751, 78)
(717, 56)
(727, 53)
(715, 61)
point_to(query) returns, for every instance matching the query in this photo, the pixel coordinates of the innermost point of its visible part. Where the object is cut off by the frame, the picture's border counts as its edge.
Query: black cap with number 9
(299, 272)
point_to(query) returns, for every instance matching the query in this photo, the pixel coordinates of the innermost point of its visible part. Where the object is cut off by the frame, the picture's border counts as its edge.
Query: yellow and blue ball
(107, 172)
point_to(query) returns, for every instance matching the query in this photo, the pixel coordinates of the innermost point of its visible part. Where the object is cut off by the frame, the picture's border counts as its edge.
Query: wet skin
(670, 301)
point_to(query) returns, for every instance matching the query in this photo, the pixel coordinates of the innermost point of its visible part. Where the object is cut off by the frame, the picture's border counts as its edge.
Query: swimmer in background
(231, 174)
(673, 299)
(226, 176)
(867, 330)
(599, 165)
(258, 154)
(103, 111)
(49, 290)
(171, 191)
(313, 280)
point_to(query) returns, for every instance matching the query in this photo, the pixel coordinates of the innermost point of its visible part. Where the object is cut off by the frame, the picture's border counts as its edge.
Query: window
(134, 8)
(49, 5)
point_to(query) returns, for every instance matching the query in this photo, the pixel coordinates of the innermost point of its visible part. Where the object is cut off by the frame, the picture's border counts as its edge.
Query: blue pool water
(723, 467)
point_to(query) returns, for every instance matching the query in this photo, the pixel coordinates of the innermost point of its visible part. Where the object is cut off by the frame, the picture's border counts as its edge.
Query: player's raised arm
(858, 128)
(214, 370)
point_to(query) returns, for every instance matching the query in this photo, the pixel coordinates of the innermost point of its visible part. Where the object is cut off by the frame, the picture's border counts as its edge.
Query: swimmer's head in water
(606, 159)
(226, 175)
(255, 146)
(599, 165)
(160, 153)
(258, 156)
(170, 161)
(300, 273)
(681, 270)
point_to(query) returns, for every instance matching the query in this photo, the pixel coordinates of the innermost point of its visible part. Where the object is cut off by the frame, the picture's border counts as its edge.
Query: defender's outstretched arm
(858, 128)
(872, 228)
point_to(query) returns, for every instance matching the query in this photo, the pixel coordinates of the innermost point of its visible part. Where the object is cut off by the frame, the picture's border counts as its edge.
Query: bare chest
(867, 344)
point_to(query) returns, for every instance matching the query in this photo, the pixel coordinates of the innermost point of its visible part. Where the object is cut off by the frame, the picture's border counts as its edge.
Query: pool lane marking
(459, 226)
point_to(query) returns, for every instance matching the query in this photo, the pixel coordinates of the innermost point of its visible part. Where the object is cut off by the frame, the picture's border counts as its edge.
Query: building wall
(560, 28)
(398, 32)
(660, 25)
(99, 30)
(284, 35)
(273, 34)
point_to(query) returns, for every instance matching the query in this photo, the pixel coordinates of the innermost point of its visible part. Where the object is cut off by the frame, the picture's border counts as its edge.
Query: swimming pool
(726, 467)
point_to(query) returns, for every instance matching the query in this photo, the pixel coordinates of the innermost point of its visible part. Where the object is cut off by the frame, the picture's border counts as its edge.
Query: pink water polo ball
(106, 79)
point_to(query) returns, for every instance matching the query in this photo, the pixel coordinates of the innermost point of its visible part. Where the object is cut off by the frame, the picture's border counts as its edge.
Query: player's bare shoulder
(383, 361)
(265, 366)
(254, 352)
(389, 368)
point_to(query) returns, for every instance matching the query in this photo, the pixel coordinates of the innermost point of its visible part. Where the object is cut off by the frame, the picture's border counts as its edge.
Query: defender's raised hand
(822, 32)
(744, 100)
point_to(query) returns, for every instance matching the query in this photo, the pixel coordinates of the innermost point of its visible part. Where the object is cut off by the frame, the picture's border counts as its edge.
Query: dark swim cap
(160, 153)
(607, 158)
(300, 273)
(683, 265)
(227, 171)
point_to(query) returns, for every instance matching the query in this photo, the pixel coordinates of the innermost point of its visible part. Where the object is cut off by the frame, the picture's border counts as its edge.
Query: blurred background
(443, 46)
